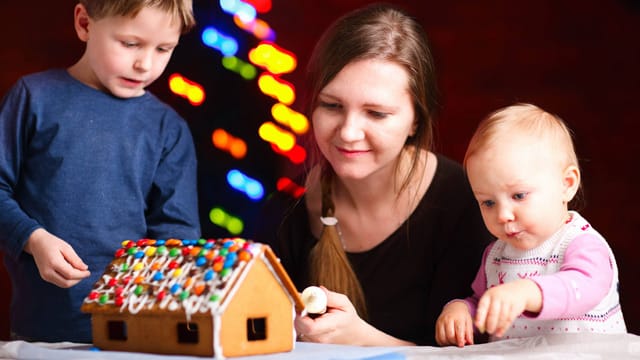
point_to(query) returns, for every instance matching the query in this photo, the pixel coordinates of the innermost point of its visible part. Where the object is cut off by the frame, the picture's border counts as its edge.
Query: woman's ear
(571, 182)
(81, 22)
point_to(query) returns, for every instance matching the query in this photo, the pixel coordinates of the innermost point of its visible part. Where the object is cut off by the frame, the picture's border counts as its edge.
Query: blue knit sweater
(93, 170)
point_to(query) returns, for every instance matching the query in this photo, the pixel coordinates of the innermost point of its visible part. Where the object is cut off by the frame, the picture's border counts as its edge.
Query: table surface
(565, 346)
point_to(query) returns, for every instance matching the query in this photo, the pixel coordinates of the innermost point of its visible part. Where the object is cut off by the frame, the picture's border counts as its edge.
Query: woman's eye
(377, 114)
(129, 44)
(328, 105)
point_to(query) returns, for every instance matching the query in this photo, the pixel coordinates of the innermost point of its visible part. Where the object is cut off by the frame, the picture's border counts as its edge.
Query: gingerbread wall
(578, 59)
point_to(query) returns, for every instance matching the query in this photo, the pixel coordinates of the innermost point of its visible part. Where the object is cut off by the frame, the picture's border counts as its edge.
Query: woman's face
(363, 117)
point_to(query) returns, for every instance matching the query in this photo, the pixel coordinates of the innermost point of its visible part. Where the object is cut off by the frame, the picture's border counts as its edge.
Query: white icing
(315, 300)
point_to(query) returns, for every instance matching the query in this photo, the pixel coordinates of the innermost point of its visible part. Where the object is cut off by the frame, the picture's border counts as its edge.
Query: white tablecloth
(564, 347)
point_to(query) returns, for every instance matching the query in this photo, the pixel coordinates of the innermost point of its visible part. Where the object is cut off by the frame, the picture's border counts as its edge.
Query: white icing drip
(173, 305)
(217, 326)
(135, 307)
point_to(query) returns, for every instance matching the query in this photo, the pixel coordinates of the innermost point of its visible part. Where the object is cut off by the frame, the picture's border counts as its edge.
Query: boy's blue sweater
(94, 170)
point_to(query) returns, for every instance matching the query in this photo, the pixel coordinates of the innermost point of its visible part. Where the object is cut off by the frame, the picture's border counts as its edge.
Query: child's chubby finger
(492, 319)
(464, 332)
(69, 272)
(460, 337)
(469, 333)
(480, 320)
(451, 334)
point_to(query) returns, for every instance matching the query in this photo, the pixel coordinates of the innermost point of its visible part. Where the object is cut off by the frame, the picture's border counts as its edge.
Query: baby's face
(127, 54)
(520, 188)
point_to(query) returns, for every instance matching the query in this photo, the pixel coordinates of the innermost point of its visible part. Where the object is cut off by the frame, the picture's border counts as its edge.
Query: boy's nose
(143, 62)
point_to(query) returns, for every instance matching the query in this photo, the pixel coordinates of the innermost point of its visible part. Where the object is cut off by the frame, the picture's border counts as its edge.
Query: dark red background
(578, 59)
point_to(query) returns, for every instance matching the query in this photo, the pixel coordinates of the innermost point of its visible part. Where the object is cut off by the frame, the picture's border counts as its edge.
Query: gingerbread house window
(117, 330)
(188, 333)
(256, 329)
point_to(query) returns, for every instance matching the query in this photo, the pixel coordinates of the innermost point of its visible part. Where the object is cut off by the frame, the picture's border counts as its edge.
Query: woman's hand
(341, 325)
(57, 262)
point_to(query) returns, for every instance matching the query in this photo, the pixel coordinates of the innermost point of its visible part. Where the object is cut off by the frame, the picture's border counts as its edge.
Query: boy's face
(521, 188)
(124, 55)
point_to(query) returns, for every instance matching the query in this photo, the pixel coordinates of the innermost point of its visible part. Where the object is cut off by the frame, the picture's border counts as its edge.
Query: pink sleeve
(584, 279)
(479, 284)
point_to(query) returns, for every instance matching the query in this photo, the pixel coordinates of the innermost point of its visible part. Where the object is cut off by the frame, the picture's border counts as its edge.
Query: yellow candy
(151, 250)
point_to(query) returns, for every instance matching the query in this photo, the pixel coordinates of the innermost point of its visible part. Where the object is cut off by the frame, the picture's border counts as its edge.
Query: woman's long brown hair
(383, 32)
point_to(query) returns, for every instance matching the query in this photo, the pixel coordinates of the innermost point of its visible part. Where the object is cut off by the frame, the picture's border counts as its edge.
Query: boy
(88, 158)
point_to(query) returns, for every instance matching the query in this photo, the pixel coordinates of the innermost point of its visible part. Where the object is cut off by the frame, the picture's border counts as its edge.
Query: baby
(548, 271)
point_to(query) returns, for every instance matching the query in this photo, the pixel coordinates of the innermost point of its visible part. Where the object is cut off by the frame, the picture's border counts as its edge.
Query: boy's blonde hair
(527, 119)
(181, 10)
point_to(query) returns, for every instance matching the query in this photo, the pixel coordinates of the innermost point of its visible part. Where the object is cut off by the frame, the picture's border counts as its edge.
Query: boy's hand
(501, 305)
(454, 325)
(57, 262)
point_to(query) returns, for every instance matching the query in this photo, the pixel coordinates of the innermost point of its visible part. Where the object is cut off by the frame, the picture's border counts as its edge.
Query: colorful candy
(166, 273)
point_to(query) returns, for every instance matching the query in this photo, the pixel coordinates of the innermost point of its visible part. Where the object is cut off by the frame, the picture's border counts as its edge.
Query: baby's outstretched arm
(501, 305)
(57, 262)
(454, 325)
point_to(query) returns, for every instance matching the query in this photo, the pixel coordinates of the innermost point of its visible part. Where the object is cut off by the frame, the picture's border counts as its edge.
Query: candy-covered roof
(193, 276)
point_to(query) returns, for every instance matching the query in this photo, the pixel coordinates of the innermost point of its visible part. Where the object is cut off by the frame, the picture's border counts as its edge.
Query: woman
(409, 236)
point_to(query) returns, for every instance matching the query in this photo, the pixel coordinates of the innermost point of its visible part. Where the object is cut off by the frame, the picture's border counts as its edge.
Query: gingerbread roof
(190, 276)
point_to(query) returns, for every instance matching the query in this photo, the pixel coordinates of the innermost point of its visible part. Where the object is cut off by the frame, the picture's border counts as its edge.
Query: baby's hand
(454, 325)
(501, 305)
(57, 262)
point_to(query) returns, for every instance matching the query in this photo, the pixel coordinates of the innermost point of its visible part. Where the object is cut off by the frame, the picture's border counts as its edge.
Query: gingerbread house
(215, 297)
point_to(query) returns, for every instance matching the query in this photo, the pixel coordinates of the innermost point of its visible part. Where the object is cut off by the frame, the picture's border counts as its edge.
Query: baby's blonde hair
(524, 119)
(181, 10)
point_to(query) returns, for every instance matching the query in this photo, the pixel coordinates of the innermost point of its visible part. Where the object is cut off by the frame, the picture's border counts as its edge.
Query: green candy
(138, 290)
(103, 299)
